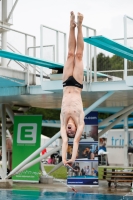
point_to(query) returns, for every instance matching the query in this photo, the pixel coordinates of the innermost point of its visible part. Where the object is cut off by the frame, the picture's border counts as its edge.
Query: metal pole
(51, 125)
(4, 156)
(26, 65)
(33, 155)
(125, 43)
(126, 163)
(95, 61)
(34, 54)
(39, 159)
(41, 52)
(115, 115)
(114, 123)
(10, 112)
(90, 63)
(4, 33)
(87, 54)
(11, 12)
(57, 46)
(98, 102)
(55, 168)
(65, 46)
(54, 53)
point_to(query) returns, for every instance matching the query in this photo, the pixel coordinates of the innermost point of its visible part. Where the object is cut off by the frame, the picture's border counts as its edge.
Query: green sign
(26, 140)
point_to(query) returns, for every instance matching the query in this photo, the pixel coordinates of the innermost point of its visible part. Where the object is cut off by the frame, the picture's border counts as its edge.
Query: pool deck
(59, 187)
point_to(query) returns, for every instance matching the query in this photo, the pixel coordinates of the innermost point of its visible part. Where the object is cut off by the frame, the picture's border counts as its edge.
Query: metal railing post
(41, 51)
(57, 46)
(95, 61)
(26, 64)
(34, 54)
(90, 63)
(87, 54)
(65, 48)
(125, 43)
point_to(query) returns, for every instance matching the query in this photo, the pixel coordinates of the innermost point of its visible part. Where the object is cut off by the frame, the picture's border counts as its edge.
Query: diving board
(39, 62)
(111, 46)
(30, 60)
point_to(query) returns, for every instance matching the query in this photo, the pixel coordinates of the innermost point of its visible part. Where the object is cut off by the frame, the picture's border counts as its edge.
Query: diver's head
(71, 128)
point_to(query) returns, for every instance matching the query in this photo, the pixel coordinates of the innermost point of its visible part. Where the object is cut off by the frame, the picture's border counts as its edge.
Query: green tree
(117, 62)
(103, 62)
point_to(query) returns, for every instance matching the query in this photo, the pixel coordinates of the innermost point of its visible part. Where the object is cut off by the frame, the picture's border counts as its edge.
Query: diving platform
(30, 60)
(110, 46)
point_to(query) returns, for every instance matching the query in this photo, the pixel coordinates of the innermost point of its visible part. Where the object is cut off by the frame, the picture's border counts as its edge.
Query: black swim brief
(72, 82)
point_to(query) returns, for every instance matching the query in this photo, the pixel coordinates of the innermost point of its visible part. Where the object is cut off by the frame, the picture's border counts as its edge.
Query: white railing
(125, 42)
(26, 48)
(44, 46)
(89, 56)
(57, 45)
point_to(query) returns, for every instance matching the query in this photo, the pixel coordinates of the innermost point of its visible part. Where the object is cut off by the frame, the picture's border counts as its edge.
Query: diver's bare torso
(72, 105)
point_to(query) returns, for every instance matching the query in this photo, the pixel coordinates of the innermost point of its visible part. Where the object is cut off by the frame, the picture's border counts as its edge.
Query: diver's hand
(64, 162)
(70, 161)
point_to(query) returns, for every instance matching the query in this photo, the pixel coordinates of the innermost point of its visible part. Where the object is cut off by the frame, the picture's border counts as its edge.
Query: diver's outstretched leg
(69, 65)
(78, 68)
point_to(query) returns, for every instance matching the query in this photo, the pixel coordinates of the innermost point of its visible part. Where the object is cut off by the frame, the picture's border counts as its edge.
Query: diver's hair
(70, 136)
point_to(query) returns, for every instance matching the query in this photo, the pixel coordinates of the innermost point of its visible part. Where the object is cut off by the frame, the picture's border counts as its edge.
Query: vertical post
(125, 43)
(4, 157)
(126, 142)
(65, 48)
(90, 63)
(34, 54)
(4, 33)
(41, 51)
(26, 64)
(57, 46)
(95, 61)
(54, 53)
(87, 54)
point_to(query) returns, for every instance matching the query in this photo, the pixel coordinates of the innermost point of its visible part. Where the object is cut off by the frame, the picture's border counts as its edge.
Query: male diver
(72, 114)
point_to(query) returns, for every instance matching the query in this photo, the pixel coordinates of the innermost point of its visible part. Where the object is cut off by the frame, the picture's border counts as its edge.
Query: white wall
(115, 143)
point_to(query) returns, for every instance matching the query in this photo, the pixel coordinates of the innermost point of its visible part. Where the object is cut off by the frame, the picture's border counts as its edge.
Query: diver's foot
(79, 19)
(72, 20)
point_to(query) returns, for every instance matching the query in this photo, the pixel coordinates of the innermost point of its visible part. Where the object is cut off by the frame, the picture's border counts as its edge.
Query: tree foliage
(115, 62)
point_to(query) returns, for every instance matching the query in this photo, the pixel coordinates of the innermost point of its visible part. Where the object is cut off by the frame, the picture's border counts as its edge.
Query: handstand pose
(72, 115)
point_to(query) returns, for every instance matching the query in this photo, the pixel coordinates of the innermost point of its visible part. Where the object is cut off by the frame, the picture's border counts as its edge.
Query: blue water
(38, 195)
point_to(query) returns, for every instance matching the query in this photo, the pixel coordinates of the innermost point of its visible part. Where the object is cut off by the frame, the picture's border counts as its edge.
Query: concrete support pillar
(4, 33)
(126, 138)
(4, 157)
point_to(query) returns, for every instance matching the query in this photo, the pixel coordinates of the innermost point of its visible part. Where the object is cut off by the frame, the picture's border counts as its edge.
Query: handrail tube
(123, 38)
(53, 29)
(115, 122)
(16, 31)
(89, 27)
(115, 115)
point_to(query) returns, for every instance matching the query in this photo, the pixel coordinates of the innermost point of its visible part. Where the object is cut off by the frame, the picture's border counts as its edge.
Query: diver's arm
(77, 137)
(64, 140)
(76, 143)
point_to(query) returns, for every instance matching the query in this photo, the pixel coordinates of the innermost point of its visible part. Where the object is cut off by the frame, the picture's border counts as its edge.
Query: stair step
(18, 111)
(21, 106)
